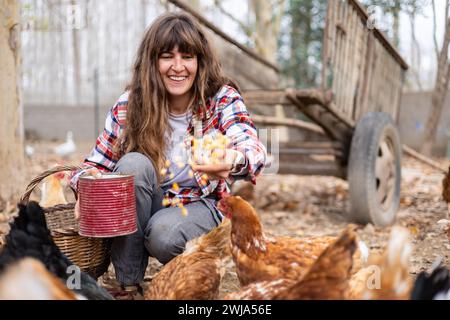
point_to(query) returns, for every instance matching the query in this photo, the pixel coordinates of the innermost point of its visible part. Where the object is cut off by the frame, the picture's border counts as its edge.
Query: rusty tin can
(107, 205)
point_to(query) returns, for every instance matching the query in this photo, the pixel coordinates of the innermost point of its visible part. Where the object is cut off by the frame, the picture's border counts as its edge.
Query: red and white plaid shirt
(225, 113)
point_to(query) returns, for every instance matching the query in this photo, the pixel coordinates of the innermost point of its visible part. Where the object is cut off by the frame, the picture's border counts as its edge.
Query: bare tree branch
(416, 59)
(436, 46)
(245, 28)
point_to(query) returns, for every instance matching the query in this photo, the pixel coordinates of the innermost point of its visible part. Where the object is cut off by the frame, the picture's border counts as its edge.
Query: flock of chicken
(268, 268)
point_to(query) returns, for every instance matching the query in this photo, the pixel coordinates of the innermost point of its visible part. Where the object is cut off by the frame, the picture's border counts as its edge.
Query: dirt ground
(307, 205)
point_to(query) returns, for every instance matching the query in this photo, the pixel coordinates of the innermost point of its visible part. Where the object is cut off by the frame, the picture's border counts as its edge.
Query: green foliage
(301, 36)
(300, 42)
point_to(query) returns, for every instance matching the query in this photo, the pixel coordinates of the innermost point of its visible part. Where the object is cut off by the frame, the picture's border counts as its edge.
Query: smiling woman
(178, 100)
(178, 71)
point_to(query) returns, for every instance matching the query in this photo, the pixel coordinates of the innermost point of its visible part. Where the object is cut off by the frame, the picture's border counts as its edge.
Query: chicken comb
(60, 175)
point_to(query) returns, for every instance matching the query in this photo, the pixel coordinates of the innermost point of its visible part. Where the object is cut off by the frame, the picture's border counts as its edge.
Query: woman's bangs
(181, 38)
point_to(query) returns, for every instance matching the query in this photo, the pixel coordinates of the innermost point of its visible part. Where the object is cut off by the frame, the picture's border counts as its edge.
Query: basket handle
(26, 196)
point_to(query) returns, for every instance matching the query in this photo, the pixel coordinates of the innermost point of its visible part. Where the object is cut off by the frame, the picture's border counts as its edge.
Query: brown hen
(387, 276)
(327, 278)
(196, 273)
(28, 279)
(261, 258)
(446, 191)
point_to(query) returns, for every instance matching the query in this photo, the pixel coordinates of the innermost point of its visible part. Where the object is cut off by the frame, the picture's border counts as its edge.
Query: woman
(178, 90)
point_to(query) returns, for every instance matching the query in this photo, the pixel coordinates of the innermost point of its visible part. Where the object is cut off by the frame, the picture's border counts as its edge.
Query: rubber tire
(365, 207)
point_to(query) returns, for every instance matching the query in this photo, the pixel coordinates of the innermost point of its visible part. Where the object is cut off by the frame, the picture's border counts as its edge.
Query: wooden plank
(266, 97)
(312, 144)
(369, 66)
(349, 61)
(328, 168)
(311, 151)
(379, 35)
(296, 123)
(357, 67)
(302, 97)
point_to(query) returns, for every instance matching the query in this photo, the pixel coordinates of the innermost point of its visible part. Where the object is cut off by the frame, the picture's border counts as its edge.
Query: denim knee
(139, 165)
(164, 242)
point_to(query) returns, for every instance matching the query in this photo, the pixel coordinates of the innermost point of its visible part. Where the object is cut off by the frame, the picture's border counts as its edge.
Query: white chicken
(29, 151)
(67, 148)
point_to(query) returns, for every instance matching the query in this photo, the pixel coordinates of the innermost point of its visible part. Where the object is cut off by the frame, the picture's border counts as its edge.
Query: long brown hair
(147, 121)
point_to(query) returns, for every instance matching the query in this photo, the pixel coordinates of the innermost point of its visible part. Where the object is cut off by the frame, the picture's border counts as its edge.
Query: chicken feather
(194, 274)
(30, 237)
(262, 258)
(28, 279)
(327, 278)
(387, 276)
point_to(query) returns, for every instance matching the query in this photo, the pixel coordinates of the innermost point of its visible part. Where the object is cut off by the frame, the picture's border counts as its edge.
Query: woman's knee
(137, 164)
(164, 242)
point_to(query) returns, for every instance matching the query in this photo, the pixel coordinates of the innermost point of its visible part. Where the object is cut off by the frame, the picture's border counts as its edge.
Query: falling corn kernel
(414, 230)
(167, 163)
(171, 175)
(163, 171)
(165, 202)
(175, 187)
(191, 173)
(180, 164)
(184, 211)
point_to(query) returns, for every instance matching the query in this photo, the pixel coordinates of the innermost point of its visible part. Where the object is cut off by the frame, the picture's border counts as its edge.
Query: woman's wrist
(237, 160)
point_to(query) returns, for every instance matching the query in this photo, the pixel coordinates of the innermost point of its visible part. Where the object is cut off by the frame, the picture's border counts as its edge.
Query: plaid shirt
(225, 113)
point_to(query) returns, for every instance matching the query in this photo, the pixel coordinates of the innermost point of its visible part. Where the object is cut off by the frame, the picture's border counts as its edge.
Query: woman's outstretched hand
(214, 171)
(220, 170)
(91, 172)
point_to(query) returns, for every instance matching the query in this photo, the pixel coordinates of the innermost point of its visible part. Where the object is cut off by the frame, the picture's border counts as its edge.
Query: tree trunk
(439, 92)
(396, 23)
(76, 61)
(267, 26)
(11, 125)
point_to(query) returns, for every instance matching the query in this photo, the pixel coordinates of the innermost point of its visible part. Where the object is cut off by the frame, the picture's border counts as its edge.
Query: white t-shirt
(176, 154)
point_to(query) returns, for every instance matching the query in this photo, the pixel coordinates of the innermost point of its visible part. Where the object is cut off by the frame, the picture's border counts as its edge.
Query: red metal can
(107, 205)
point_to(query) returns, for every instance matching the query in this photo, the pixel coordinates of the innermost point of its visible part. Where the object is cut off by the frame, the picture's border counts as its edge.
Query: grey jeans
(162, 232)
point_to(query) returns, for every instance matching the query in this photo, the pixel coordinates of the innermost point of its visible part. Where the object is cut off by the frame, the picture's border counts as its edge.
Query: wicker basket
(92, 255)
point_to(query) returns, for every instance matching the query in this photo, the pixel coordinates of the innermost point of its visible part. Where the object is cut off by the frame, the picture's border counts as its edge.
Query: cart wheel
(374, 170)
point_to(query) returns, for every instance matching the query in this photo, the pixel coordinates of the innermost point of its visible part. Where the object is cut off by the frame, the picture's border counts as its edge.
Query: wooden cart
(356, 108)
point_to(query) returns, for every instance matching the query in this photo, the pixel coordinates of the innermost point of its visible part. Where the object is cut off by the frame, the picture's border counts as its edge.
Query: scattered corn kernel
(180, 164)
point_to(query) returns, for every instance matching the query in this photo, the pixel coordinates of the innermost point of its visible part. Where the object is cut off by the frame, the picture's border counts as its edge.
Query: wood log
(416, 155)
